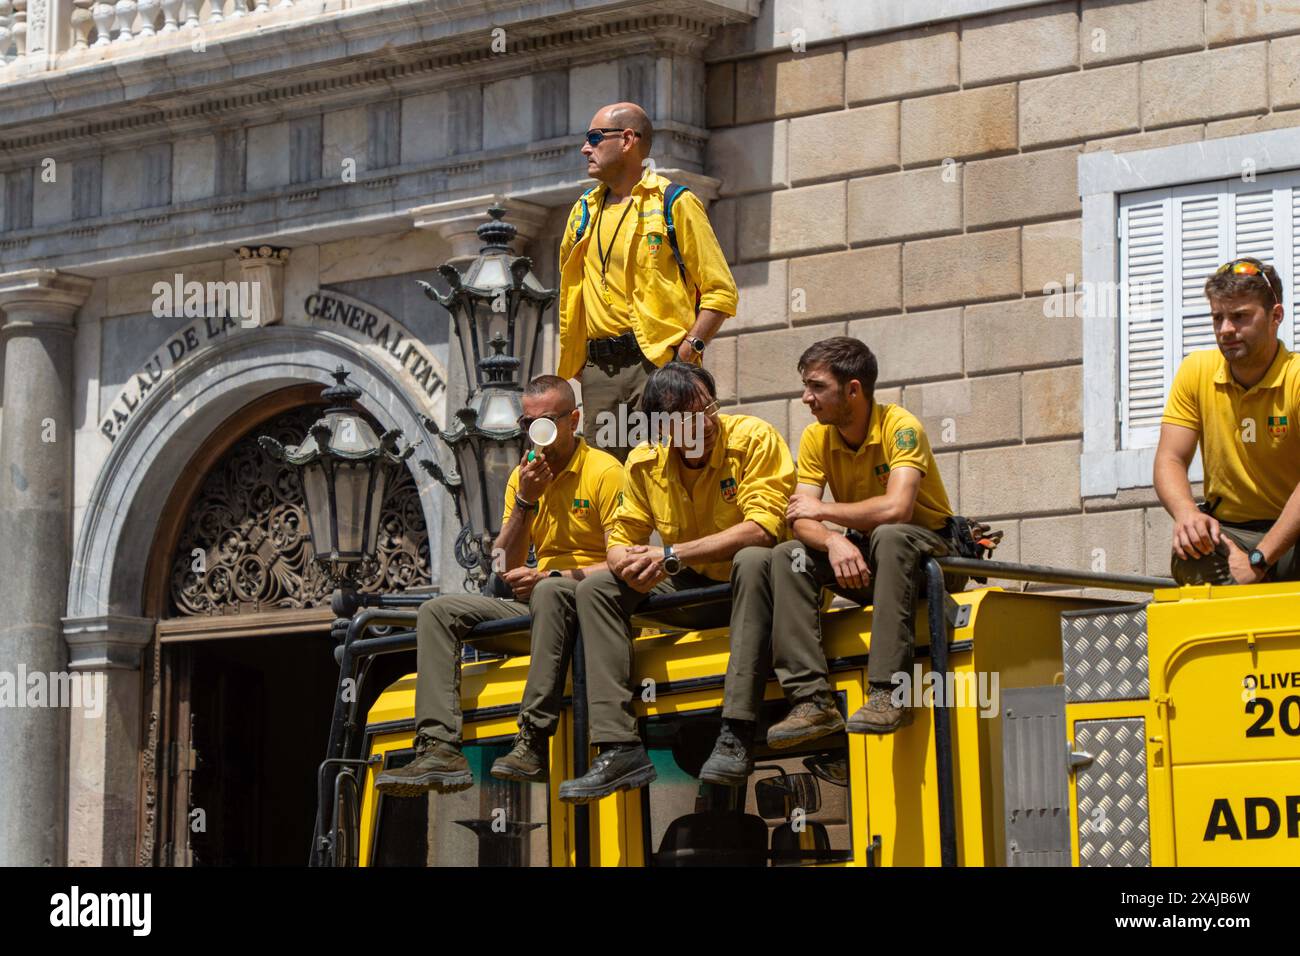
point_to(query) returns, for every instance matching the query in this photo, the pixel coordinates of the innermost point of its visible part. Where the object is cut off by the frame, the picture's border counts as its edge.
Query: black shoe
(526, 762)
(732, 760)
(619, 767)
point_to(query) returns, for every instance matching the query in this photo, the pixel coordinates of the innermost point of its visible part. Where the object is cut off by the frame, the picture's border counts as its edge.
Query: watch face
(697, 344)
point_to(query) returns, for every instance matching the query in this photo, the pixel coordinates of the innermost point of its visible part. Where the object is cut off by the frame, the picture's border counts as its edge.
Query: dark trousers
(895, 555)
(444, 621)
(1213, 567)
(606, 385)
(605, 608)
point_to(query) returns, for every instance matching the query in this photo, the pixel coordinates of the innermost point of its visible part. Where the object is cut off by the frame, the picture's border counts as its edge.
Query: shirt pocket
(654, 255)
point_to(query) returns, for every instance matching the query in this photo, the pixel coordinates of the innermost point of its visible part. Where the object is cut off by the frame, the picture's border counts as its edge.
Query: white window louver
(1171, 241)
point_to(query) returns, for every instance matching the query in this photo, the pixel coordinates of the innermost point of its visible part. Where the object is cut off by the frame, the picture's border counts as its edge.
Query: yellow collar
(666, 458)
(873, 432)
(1272, 378)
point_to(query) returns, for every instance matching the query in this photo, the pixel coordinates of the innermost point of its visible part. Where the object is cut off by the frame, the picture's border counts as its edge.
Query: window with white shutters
(1170, 242)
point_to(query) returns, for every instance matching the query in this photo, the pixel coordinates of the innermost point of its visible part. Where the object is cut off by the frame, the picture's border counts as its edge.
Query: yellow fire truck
(1053, 731)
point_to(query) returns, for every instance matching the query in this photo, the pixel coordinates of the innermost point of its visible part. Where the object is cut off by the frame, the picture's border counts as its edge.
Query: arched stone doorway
(119, 603)
(243, 676)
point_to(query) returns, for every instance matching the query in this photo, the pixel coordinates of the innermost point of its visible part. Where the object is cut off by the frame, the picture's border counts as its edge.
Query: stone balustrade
(28, 39)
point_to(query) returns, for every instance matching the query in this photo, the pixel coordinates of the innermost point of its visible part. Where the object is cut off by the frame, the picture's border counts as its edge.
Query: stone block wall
(918, 189)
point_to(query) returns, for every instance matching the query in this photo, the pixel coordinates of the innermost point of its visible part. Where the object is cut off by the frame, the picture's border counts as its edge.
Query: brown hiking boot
(808, 720)
(526, 762)
(437, 766)
(879, 715)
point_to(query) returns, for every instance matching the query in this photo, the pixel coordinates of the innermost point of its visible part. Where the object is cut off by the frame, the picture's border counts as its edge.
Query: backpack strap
(586, 215)
(670, 196)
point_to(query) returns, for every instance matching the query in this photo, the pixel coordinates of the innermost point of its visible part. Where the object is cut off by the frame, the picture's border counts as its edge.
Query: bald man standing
(642, 278)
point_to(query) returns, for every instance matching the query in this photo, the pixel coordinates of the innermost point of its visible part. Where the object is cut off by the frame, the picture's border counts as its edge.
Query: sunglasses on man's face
(1246, 267)
(597, 136)
(526, 423)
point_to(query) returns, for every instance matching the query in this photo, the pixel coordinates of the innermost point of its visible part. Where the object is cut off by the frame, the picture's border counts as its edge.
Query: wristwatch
(672, 563)
(1257, 560)
(697, 344)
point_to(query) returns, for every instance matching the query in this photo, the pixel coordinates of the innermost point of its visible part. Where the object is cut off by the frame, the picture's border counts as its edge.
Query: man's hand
(803, 506)
(1239, 564)
(522, 581)
(1196, 535)
(534, 476)
(850, 568)
(624, 557)
(686, 353)
(644, 570)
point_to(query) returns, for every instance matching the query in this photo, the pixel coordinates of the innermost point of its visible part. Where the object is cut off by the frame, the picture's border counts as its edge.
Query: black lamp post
(344, 469)
(497, 310)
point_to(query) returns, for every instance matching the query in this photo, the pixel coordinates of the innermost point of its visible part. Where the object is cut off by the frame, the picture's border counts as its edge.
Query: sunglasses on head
(596, 136)
(1247, 266)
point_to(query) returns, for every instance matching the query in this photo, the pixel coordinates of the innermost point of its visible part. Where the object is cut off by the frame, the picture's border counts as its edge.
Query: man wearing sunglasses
(716, 494)
(627, 306)
(561, 504)
(1240, 404)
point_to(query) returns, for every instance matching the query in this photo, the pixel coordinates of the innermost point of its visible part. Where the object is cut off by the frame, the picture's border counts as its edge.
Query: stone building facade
(950, 180)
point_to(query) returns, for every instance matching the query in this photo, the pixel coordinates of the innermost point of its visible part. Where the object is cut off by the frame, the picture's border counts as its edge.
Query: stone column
(36, 498)
(104, 738)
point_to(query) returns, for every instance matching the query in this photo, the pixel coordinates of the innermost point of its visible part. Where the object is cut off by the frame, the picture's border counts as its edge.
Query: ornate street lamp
(497, 295)
(486, 442)
(344, 469)
(497, 310)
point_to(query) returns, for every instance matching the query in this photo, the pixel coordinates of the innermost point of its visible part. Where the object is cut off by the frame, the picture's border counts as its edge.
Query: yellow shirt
(1249, 442)
(606, 319)
(575, 510)
(749, 477)
(895, 438)
(661, 307)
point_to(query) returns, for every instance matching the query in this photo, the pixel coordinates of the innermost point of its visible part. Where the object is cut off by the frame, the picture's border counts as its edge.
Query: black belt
(1260, 525)
(612, 349)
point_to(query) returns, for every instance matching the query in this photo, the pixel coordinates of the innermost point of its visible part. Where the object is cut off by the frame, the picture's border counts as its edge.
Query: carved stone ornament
(246, 546)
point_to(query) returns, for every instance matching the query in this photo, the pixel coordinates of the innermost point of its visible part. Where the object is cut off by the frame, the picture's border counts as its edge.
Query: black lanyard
(605, 254)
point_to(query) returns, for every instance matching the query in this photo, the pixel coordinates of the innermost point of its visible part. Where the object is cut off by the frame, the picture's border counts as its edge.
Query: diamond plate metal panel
(1105, 654)
(1034, 777)
(1111, 792)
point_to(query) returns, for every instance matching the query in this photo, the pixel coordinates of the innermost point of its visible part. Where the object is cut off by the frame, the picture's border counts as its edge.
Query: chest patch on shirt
(882, 474)
(581, 506)
(654, 242)
(1277, 426)
(905, 439)
(728, 487)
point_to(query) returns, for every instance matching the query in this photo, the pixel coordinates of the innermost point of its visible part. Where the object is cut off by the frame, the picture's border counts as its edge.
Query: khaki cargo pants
(605, 607)
(1213, 567)
(896, 554)
(444, 621)
(605, 386)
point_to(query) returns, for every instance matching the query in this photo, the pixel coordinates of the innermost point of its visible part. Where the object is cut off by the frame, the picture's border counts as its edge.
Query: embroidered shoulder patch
(905, 439)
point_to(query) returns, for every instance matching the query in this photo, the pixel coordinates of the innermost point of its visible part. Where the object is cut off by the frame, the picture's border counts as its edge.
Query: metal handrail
(1043, 574)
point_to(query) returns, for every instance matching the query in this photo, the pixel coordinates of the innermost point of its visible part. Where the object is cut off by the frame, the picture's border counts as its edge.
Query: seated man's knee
(547, 590)
(596, 584)
(434, 609)
(752, 560)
